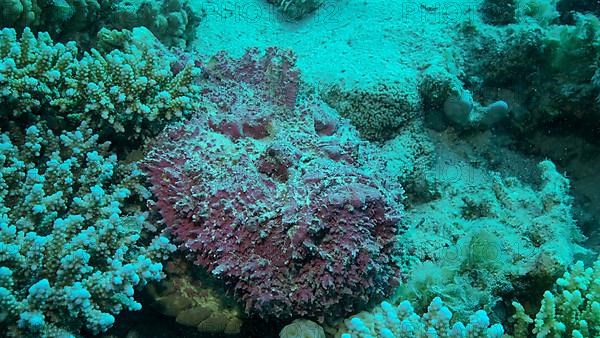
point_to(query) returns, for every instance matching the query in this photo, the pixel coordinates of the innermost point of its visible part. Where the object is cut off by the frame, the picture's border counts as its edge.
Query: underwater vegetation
(231, 196)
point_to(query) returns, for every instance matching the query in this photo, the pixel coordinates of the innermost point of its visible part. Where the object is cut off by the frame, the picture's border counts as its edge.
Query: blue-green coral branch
(72, 250)
(124, 94)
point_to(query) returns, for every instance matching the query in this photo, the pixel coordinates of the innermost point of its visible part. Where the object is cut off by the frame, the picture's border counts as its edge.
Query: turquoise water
(299, 168)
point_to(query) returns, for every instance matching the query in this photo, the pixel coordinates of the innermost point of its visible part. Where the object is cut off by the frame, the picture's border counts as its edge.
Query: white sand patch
(349, 41)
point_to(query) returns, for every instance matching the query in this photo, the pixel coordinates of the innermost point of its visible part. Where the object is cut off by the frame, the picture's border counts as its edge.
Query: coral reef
(72, 250)
(574, 52)
(274, 196)
(388, 321)
(299, 203)
(172, 21)
(578, 158)
(496, 12)
(125, 96)
(64, 19)
(378, 112)
(571, 309)
(569, 8)
(547, 69)
(487, 237)
(195, 299)
(502, 54)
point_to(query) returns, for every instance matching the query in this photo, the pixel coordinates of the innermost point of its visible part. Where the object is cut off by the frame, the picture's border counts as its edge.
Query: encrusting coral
(378, 112)
(72, 250)
(272, 195)
(124, 94)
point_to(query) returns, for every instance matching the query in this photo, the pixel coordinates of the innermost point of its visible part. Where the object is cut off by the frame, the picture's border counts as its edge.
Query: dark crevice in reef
(568, 8)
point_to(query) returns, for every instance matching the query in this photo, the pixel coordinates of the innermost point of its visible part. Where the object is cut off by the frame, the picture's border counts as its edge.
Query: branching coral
(173, 21)
(571, 309)
(195, 299)
(71, 248)
(389, 321)
(123, 95)
(267, 192)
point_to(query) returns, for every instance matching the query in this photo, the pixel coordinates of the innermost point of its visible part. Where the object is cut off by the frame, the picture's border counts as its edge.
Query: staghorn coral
(124, 95)
(273, 197)
(389, 321)
(571, 309)
(72, 250)
(194, 299)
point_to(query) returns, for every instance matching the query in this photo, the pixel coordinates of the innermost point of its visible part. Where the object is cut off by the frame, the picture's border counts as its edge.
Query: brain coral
(267, 191)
